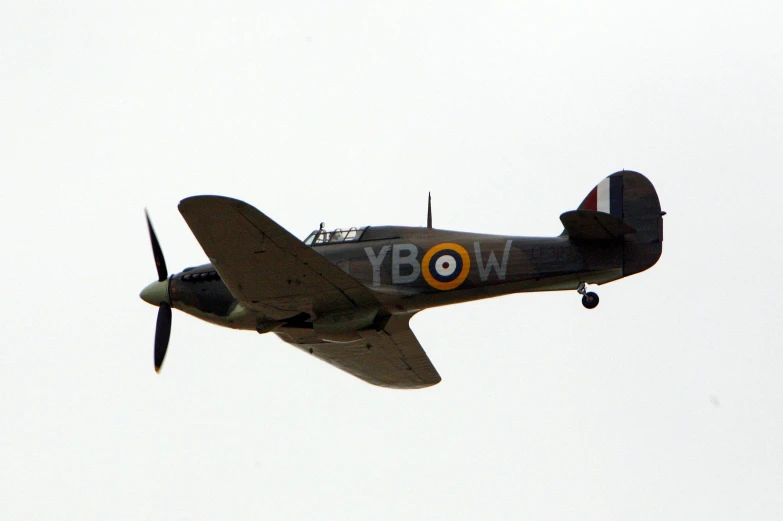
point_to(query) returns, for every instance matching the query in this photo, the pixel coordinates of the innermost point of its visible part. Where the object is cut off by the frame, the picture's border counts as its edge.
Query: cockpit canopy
(322, 236)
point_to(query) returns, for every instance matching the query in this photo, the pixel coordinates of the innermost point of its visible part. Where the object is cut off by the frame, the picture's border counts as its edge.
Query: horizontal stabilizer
(594, 226)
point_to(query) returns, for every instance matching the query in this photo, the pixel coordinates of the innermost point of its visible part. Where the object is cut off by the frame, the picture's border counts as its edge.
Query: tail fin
(624, 206)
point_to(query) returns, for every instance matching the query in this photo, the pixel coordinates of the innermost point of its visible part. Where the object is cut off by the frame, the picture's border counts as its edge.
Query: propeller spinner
(157, 294)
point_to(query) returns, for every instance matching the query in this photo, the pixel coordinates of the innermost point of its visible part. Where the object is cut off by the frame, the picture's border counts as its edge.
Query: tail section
(622, 207)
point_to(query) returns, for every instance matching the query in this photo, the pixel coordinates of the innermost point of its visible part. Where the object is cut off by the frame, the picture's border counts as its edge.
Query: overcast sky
(666, 402)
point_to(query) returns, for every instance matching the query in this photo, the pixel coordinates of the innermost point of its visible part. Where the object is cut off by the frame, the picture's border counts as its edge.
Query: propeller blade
(162, 333)
(160, 262)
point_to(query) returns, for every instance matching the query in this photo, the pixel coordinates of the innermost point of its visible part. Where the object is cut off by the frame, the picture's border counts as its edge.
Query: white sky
(664, 403)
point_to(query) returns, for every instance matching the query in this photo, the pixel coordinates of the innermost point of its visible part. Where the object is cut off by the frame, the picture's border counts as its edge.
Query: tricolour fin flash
(606, 197)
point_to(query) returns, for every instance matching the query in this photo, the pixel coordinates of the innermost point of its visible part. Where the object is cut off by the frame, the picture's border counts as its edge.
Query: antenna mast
(429, 210)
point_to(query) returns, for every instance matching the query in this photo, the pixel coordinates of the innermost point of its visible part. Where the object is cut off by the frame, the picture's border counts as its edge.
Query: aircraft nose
(156, 292)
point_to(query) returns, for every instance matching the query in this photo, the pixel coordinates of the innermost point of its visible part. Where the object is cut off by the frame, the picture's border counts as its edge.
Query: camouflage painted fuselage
(401, 266)
(409, 269)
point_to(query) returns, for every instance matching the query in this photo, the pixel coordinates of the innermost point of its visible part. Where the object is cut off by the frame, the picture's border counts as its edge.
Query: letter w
(492, 262)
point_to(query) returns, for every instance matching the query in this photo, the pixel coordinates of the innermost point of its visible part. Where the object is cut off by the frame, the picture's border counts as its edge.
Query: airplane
(346, 296)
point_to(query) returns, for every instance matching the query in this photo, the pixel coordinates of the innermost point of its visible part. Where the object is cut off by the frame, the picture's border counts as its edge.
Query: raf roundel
(445, 266)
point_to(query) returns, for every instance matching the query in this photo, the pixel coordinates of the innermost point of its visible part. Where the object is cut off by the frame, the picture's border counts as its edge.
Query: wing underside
(391, 357)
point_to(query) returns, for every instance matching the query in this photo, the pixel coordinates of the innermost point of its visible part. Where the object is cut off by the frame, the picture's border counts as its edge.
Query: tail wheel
(590, 300)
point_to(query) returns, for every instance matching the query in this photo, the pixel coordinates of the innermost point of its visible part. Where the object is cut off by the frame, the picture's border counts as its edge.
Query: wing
(265, 267)
(391, 357)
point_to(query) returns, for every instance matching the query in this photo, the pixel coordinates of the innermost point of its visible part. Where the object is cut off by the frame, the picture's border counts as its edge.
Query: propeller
(162, 333)
(157, 294)
(160, 262)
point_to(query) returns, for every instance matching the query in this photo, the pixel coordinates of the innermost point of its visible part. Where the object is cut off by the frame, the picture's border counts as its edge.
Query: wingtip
(212, 197)
(197, 203)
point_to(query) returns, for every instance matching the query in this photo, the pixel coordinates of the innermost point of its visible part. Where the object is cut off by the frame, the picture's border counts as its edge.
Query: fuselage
(410, 269)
